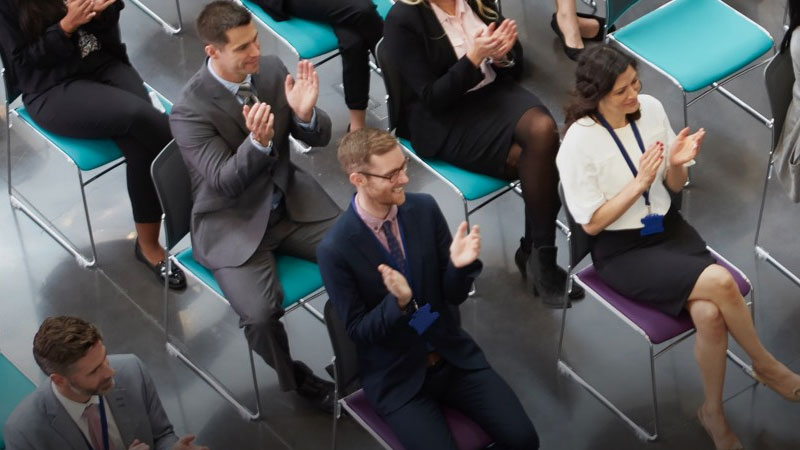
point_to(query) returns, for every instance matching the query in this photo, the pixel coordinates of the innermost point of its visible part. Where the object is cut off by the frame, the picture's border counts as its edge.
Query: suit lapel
(363, 240)
(117, 404)
(61, 422)
(223, 99)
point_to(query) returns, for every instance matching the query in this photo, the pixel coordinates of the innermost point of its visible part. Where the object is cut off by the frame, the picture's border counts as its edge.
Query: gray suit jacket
(40, 422)
(233, 181)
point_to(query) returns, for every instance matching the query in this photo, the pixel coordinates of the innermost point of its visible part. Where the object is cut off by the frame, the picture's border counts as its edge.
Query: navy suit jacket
(391, 355)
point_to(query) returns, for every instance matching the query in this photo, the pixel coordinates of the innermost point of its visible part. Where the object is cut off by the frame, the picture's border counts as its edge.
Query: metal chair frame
(567, 370)
(775, 125)
(172, 240)
(715, 86)
(168, 28)
(18, 201)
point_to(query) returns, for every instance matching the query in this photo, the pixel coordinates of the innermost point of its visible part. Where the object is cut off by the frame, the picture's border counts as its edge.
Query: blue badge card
(422, 318)
(653, 224)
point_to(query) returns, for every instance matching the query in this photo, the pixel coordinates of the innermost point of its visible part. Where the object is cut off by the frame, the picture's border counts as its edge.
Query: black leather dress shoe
(318, 391)
(177, 279)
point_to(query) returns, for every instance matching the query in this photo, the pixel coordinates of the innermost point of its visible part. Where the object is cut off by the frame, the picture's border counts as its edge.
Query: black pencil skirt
(660, 269)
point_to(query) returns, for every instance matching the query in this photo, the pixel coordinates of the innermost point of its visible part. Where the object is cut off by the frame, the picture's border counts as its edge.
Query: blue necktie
(394, 247)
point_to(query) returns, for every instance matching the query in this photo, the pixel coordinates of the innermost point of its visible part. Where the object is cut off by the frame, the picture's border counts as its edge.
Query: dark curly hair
(597, 71)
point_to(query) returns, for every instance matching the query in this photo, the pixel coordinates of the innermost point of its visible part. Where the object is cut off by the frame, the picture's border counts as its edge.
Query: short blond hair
(357, 147)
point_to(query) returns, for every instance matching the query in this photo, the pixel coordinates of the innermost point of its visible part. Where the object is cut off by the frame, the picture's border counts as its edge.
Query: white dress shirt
(593, 170)
(75, 411)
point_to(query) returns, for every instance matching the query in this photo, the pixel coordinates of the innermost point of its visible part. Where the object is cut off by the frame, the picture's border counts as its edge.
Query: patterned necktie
(394, 247)
(247, 94)
(92, 416)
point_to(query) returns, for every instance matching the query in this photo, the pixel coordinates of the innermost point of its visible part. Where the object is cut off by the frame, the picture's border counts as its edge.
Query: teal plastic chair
(300, 279)
(85, 154)
(14, 386)
(307, 39)
(698, 44)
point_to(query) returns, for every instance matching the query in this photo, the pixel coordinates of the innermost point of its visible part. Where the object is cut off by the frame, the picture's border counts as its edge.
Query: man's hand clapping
(259, 120)
(465, 248)
(302, 91)
(185, 443)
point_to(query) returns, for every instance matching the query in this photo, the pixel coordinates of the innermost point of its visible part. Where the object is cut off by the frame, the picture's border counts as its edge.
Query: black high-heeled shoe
(571, 52)
(177, 279)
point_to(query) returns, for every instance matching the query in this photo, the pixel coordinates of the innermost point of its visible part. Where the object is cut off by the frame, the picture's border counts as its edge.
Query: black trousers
(359, 27)
(110, 101)
(480, 394)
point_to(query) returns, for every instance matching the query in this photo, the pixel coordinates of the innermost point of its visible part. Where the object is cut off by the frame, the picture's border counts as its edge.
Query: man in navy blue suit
(396, 277)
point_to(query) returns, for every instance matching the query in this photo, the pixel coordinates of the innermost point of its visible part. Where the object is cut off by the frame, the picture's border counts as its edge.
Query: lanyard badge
(422, 318)
(652, 223)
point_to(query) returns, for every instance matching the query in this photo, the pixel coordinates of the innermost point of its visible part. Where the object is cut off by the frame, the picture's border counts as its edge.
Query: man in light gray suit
(91, 400)
(232, 124)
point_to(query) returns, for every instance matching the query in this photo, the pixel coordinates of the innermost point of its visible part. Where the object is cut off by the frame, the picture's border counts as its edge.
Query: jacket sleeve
(229, 172)
(163, 435)
(363, 326)
(405, 41)
(50, 49)
(456, 282)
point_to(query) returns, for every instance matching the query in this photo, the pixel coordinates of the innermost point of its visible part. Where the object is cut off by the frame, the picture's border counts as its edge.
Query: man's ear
(59, 380)
(356, 179)
(211, 51)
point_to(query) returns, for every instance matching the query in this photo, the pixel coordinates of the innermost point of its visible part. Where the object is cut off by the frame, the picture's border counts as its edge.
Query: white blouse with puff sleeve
(593, 171)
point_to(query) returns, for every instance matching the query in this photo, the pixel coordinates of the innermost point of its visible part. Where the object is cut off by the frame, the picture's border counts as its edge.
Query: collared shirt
(375, 224)
(75, 411)
(460, 29)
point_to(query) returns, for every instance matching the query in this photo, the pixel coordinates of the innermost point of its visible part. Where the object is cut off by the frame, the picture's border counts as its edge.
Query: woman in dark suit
(456, 62)
(76, 80)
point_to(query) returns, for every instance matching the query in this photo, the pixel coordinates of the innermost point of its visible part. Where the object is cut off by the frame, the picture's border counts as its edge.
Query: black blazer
(53, 58)
(392, 357)
(430, 80)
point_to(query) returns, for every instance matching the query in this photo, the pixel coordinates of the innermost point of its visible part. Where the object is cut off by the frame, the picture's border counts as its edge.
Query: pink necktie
(92, 415)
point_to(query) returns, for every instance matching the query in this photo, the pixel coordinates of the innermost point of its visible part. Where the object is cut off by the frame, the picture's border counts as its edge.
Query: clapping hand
(685, 147)
(465, 248)
(79, 12)
(649, 164)
(506, 35)
(185, 443)
(259, 120)
(101, 5)
(138, 445)
(396, 284)
(302, 91)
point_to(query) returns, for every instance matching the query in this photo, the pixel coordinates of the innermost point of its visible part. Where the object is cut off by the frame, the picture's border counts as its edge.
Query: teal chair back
(779, 79)
(616, 8)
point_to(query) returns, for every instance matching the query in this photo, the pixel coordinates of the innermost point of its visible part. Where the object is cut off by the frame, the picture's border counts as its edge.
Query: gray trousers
(255, 293)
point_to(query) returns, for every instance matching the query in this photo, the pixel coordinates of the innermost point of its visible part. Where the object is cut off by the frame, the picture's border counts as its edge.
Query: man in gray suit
(232, 124)
(91, 400)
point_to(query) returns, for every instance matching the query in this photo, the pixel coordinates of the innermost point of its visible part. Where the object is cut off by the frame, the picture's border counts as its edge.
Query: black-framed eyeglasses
(392, 176)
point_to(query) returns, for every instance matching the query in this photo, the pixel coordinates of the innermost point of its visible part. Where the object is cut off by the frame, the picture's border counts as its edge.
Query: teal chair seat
(14, 386)
(87, 154)
(309, 39)
(696, 42)
(472, 185)
(298, 277)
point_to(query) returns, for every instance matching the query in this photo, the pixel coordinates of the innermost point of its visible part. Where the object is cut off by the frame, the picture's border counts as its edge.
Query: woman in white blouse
(619, 163)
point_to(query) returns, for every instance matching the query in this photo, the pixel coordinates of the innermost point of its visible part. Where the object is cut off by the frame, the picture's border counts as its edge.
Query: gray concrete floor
(38, 278)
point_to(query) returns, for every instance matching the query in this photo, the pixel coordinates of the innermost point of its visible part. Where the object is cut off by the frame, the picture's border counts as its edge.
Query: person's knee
(722, 282)
(707, 317)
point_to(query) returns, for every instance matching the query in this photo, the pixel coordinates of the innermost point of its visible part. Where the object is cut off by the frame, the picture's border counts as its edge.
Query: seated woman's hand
(101, 5)
(485, 44)
(685, 147)
(79, 12)
(506, 34)
(648, 165)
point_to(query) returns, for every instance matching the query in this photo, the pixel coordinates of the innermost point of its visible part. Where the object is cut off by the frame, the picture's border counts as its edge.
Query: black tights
(532, 159)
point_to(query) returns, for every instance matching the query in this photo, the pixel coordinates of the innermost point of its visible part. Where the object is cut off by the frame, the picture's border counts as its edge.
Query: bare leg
(567, 18)
(148, 241)
(358, 119)
(717, 285)
(711, 344)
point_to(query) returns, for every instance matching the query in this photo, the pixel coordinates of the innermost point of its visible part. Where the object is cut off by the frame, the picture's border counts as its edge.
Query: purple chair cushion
(658, 326)
(468, 435)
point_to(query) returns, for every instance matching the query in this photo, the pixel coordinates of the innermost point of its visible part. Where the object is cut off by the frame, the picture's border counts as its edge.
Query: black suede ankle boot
(547, 280)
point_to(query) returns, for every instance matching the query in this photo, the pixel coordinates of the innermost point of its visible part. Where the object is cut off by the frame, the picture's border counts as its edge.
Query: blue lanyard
(607, 126)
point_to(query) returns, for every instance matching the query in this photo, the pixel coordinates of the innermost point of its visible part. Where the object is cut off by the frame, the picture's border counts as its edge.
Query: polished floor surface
(38, 278)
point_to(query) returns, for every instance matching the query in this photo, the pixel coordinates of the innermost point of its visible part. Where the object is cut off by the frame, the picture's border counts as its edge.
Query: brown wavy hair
(597, 71)
(61, 341)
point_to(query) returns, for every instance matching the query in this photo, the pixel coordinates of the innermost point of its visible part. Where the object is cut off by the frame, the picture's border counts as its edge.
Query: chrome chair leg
(170, 29)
